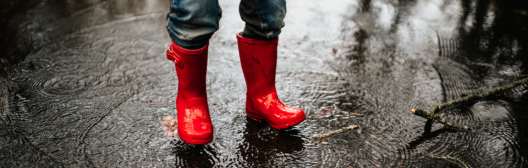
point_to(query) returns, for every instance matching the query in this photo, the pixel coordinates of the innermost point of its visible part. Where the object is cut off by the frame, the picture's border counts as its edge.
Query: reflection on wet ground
(92, 85)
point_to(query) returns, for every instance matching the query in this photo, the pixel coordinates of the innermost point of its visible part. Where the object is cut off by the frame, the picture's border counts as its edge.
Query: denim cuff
(190, 44)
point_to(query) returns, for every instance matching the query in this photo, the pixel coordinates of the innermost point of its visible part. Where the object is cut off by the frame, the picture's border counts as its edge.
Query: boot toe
(293, 118)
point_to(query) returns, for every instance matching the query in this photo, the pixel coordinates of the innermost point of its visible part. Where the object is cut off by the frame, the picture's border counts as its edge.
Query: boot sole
(259, 119)
(196, 141)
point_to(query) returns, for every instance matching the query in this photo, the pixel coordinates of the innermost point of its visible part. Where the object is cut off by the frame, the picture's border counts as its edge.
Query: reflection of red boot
(194, 122)
(259, 62)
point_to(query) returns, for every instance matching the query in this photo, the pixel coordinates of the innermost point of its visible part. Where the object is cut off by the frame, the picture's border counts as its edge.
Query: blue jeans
(193, 22)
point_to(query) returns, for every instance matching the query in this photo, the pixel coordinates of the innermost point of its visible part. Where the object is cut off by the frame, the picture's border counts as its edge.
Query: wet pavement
(91, 85)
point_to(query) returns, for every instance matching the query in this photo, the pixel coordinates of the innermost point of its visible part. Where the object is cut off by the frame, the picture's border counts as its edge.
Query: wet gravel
(92, 86)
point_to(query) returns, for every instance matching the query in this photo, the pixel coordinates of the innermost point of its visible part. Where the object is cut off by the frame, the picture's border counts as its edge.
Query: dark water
(86, 85)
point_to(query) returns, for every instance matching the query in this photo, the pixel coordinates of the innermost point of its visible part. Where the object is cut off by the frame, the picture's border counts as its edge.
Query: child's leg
(192, 22)
(264, 18)
(257, 47)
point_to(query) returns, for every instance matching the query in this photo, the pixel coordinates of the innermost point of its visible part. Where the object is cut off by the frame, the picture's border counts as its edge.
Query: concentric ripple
(95, 85)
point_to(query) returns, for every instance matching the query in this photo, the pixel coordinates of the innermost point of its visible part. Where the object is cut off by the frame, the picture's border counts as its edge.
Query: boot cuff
(177, 48)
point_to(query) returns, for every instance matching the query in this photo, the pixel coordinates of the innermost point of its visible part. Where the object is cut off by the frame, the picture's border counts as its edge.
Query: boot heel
(252, 114)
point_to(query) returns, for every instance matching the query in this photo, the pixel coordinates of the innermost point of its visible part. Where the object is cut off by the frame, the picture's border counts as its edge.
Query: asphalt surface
(85, 84)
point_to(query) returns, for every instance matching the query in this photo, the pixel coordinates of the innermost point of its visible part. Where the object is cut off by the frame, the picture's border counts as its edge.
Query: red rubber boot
(259, 62)
(194, 122)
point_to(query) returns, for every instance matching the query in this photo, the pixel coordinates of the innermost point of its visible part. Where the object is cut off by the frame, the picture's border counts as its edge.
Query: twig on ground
(433, 114)
(334, 132)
